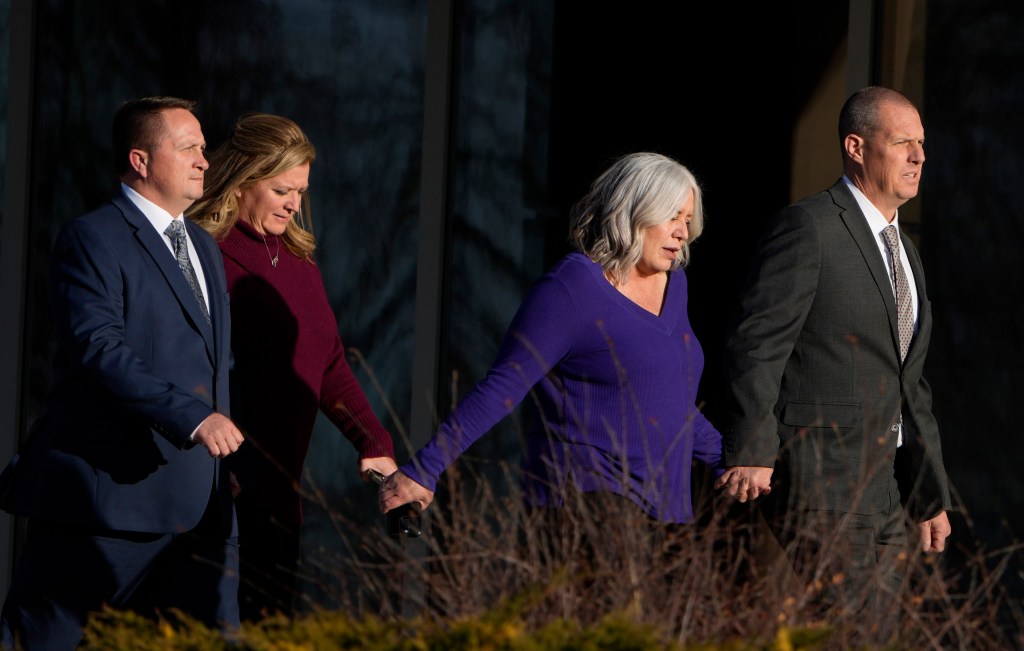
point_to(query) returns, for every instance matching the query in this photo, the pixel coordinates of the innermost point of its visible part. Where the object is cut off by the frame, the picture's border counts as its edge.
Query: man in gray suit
(829, 417)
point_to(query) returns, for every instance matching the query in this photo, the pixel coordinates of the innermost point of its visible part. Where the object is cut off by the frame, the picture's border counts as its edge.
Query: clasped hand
(745, 482)
(398, 489)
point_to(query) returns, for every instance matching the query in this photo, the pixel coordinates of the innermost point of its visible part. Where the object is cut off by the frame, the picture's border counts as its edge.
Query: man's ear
(854, 147)
(138, 159)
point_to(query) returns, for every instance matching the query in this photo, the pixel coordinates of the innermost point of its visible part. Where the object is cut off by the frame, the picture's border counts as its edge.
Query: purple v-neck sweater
(615, 388)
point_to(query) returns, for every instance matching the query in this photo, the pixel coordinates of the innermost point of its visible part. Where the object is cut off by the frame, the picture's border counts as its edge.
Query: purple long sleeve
(614, 387)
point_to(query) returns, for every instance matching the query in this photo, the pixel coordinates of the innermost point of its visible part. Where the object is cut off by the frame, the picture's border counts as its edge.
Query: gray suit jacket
(814, 381)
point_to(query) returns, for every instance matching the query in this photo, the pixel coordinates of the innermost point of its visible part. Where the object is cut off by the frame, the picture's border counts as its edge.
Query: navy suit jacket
(137, 369)
(814, 378)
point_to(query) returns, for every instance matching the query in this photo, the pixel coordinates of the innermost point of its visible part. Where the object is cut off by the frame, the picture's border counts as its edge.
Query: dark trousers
(847, 562)
(67, 572)
(269, 555)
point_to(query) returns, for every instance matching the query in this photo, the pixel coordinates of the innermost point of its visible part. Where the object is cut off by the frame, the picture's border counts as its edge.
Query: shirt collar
(157, 216)
(873, 215)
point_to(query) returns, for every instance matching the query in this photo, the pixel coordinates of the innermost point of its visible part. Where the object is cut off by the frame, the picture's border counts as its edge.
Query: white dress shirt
(878, 223)
(161, 219)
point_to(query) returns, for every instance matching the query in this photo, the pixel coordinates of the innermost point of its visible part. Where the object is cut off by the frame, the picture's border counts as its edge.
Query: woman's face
(663, 241)
(270, 204)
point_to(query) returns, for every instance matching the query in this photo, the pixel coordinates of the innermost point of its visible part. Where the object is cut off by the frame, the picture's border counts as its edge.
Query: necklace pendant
(273, 258)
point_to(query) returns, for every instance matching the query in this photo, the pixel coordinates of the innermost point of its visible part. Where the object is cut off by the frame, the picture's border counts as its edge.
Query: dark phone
(403, 521)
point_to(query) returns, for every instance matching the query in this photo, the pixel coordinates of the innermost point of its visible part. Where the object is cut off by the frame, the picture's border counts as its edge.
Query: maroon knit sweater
(289, 363)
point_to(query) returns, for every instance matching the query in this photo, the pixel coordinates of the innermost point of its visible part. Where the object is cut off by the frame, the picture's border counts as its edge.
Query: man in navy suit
(120, 478)
(830, 416)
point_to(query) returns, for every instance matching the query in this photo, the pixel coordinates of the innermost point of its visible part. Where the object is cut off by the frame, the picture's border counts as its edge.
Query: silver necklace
(273, 258)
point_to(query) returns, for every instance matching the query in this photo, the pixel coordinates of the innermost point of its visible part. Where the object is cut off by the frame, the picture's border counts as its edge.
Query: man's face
(175, 165)
(892, 158)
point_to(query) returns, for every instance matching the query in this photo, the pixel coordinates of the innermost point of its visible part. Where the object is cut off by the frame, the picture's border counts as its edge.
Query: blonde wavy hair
(261, 146)
(638, 191)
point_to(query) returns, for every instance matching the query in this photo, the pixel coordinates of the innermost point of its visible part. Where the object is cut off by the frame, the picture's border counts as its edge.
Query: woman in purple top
(604, 343)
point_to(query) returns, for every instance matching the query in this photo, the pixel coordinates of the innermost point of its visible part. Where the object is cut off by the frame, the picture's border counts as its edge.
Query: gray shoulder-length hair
(638, 191)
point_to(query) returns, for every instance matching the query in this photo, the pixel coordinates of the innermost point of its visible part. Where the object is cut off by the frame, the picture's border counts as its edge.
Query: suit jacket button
(894, 428)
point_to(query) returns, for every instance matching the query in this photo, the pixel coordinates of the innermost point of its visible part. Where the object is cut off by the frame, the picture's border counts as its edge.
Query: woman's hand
(745, 482)
(398, 489)
(384, 465)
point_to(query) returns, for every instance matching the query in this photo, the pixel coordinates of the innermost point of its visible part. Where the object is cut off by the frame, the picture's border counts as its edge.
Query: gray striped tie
(904, 302)
(176, 233)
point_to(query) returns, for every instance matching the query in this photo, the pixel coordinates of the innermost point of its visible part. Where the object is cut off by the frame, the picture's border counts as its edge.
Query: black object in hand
(403, 521)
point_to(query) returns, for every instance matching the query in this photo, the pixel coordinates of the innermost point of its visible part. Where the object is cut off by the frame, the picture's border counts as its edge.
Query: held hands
(745, 482)
(218, 435)
(934, 533)
(398, 489)
(384, 465)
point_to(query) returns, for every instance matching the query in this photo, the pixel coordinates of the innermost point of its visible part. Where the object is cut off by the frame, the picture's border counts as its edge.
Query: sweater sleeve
(541, 334)
(707, 443)
(343, 402)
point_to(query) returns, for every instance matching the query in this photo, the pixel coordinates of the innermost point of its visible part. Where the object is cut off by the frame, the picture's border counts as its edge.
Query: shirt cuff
(192, 436)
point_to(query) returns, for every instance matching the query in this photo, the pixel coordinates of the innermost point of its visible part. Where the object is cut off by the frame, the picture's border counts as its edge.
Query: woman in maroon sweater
(289, 359)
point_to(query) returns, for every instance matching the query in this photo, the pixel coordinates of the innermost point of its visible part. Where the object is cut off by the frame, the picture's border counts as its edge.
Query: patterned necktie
(904, 303)
(176, 233)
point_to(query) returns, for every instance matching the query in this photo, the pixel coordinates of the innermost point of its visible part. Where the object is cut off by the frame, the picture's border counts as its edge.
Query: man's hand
(745, 482)
(399, 489)
(218, 435)
(384, 465)
(934, 533)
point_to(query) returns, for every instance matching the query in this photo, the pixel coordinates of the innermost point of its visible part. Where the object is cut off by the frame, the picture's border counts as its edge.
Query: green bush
(334, 631)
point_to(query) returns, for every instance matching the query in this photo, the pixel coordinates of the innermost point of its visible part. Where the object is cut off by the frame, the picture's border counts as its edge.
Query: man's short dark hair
(859, 114)
(138, 125)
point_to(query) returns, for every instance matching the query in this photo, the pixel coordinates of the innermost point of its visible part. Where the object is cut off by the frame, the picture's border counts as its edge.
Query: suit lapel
(856, 223)
(213, 267)
(168, 266)
(923, 313)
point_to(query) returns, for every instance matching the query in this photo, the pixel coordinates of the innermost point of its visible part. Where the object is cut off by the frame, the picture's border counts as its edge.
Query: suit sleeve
(925, 486)
(89, 314)
(780, 290)
(921, 472)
